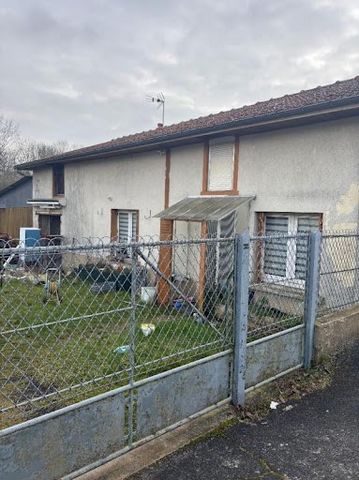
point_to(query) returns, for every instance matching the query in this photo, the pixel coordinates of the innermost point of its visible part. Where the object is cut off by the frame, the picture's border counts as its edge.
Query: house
(288, 164)
(14, 211)
(16, 192)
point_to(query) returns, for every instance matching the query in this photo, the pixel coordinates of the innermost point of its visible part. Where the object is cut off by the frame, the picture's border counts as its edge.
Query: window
(127, 227)
(50, 225)
(220, 166)
(286, 258)
(58, 180)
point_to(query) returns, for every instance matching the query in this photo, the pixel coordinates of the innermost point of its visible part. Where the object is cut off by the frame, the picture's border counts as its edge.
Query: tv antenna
(160, 100)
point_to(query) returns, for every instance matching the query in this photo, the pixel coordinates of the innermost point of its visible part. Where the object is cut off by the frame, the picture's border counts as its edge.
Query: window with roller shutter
(221, 164)
(127, 227)
(285, 258)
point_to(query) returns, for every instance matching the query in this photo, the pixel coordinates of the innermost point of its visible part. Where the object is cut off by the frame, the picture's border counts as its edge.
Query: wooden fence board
(11, 219)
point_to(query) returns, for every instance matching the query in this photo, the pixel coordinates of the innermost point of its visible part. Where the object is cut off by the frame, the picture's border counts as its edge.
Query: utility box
(29, 237)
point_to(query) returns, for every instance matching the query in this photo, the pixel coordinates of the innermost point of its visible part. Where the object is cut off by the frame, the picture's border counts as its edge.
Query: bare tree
(15, 149)
(28, 150)
(9, 135)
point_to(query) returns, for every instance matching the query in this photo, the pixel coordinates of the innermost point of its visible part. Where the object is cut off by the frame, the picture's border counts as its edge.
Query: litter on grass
(147, 328)
(122, 349)
(273, 405)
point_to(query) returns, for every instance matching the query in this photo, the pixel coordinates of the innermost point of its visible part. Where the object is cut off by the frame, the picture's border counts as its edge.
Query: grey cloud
(81, 70)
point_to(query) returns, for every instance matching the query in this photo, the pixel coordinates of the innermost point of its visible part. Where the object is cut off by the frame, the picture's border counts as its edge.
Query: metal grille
(77, 320)
(277, 292)
(339, 273)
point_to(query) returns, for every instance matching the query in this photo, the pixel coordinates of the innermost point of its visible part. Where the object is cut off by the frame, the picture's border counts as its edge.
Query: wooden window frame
(50, 235)
(205, 174)
(54, 189)
(114, 222)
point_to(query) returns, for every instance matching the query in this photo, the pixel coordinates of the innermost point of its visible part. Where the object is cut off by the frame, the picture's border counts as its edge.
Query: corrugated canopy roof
(203, 208)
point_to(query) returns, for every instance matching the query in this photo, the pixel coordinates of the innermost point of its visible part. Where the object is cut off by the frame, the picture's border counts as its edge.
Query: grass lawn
(72, 344)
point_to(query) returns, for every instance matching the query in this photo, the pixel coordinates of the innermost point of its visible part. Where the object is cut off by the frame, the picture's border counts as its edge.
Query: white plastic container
(148, 294)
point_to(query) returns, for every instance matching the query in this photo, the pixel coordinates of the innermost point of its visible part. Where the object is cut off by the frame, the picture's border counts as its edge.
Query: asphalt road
(316, 439)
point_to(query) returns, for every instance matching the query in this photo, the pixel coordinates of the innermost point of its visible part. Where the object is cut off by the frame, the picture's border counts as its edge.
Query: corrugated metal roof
(203, 208)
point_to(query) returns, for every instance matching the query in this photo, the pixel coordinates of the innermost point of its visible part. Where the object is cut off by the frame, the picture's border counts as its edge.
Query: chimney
(159, 125)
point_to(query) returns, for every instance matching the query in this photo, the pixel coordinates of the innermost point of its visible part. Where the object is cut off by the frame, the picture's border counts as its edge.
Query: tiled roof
(286, 105)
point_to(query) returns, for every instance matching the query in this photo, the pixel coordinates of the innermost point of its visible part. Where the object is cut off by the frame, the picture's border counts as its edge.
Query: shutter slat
(305, 224)
(220, 173)
(275, 253)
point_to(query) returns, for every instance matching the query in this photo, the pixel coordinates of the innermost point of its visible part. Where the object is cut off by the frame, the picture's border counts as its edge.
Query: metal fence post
(132, 338)
(242, 244)
(311, 294)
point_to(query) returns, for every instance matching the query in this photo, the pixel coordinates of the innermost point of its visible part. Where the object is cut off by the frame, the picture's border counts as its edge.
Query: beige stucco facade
(307, 169)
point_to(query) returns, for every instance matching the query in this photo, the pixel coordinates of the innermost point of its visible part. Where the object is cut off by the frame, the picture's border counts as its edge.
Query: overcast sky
(80, 70)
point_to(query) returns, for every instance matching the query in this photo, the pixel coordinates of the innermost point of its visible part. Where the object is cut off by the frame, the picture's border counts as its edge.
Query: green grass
(56, 346)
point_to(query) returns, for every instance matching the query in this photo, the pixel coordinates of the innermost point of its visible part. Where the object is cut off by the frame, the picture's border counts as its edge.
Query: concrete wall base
(335, 332)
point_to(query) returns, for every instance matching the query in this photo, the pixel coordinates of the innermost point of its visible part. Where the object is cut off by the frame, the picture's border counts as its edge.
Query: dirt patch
(291, 387)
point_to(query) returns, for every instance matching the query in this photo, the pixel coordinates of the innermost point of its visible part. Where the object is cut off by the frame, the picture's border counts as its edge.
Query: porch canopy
(203, 208)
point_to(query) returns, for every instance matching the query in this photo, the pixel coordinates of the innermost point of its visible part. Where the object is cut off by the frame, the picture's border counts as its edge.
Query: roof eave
(276, 119)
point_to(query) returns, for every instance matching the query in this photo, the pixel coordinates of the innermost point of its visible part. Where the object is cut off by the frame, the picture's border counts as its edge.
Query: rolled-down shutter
(275, 252)
(123, 225)
(306, 224)
(220, 165)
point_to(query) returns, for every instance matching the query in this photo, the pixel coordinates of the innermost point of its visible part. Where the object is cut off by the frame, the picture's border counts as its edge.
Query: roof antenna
(160, 100)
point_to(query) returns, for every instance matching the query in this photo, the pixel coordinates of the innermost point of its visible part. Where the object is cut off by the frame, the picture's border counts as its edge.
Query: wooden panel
(165, 262)
(259, 249)
(114, 225)
(167, 179)
(236, 164)
(205, 167)
(11, 219)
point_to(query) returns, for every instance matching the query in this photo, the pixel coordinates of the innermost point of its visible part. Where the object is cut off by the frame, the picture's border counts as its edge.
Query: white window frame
(130, 214)
(290, 279)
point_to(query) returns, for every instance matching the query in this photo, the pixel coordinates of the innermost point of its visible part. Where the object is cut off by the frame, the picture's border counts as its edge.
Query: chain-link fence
(339, 272)
(278, 266)
(80, 319)
(77, 320)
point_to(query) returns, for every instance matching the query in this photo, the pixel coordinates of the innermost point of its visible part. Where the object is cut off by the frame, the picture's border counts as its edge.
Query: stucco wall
(186, 172)
(306, 169)
(131, 183)
(42, 183)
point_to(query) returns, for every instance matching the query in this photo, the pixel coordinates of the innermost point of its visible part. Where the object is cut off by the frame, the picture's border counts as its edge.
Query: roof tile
(337, 91)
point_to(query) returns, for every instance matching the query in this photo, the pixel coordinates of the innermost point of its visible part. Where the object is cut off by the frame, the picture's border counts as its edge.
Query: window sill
(220, 192)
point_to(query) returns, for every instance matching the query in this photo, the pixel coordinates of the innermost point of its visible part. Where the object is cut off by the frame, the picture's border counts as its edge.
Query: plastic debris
(273, 405)
(198, 319)
(147, 328)
(288, 407)
(122, 349)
